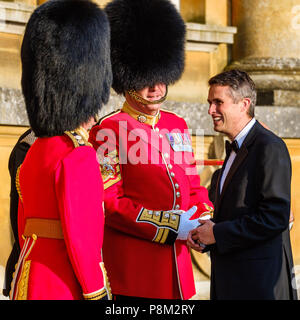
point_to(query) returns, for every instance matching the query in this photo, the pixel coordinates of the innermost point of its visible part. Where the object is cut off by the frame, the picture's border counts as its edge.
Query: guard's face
(152, 94)
(227, 116)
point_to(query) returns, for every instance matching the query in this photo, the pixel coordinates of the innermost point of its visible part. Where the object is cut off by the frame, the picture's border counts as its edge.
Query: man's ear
(245, 104)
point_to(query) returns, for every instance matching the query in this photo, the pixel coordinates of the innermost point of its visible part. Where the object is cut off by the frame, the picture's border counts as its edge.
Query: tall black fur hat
(147, 43)
(66, 69)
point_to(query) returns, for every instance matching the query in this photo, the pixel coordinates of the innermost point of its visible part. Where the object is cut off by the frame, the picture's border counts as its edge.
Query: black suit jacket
(250, 260)
(16, 158)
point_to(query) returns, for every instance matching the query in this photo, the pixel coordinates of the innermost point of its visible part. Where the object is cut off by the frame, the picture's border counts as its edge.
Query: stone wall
(284, 121)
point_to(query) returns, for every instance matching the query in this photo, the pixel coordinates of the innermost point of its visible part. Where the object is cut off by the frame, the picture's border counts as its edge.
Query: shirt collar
(243, 134)
(140, 116)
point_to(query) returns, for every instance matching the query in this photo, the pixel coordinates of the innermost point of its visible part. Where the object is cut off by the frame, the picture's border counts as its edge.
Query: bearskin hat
(147, 43)
(66, 69)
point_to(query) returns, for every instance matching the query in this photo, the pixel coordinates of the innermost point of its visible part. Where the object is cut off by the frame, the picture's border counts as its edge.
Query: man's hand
(201, 236)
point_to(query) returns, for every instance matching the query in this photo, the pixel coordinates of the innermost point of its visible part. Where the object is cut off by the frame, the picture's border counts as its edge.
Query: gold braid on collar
(140, 116)
(79, 137)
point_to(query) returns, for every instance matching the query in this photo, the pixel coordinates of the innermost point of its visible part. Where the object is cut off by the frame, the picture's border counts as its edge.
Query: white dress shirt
(239, 139)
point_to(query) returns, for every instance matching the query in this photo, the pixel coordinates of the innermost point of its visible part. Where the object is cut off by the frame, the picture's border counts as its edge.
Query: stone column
(267, 46)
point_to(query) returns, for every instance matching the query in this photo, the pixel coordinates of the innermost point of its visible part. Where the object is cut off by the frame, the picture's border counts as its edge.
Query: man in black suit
(16, 158)
(248, 237)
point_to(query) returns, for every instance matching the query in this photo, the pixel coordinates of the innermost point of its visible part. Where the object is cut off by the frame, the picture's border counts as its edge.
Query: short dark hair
(241, 86)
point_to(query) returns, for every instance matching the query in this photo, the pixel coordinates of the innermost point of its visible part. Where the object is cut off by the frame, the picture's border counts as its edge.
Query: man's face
(228, 117)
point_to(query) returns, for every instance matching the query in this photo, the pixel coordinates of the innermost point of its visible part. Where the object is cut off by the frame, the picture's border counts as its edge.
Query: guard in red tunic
(66, 76)
(153, 195)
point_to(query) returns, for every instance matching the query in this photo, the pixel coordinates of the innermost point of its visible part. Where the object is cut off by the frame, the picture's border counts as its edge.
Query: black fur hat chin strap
(133, 94)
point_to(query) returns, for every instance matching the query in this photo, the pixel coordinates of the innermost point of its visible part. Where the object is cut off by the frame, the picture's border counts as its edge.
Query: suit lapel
(239, 159)
(217, 199)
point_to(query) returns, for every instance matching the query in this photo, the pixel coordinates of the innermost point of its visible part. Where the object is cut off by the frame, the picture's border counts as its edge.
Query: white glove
(186, 225)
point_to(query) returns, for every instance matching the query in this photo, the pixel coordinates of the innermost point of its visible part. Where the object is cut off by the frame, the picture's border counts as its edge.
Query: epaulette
(78, 137)
(29, 138)
(107, 116)
(168, 111)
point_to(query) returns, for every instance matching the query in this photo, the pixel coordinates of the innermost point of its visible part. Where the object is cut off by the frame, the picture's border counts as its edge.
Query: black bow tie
(231, 146)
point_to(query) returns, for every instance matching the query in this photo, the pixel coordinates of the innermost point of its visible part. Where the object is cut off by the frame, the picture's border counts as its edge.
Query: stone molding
(281, 120)
(199, 35)
(275, 64)
(14, 16)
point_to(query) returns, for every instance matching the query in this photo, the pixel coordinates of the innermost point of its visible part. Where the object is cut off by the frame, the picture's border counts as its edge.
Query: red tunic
(146, 172)
(60, 182)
